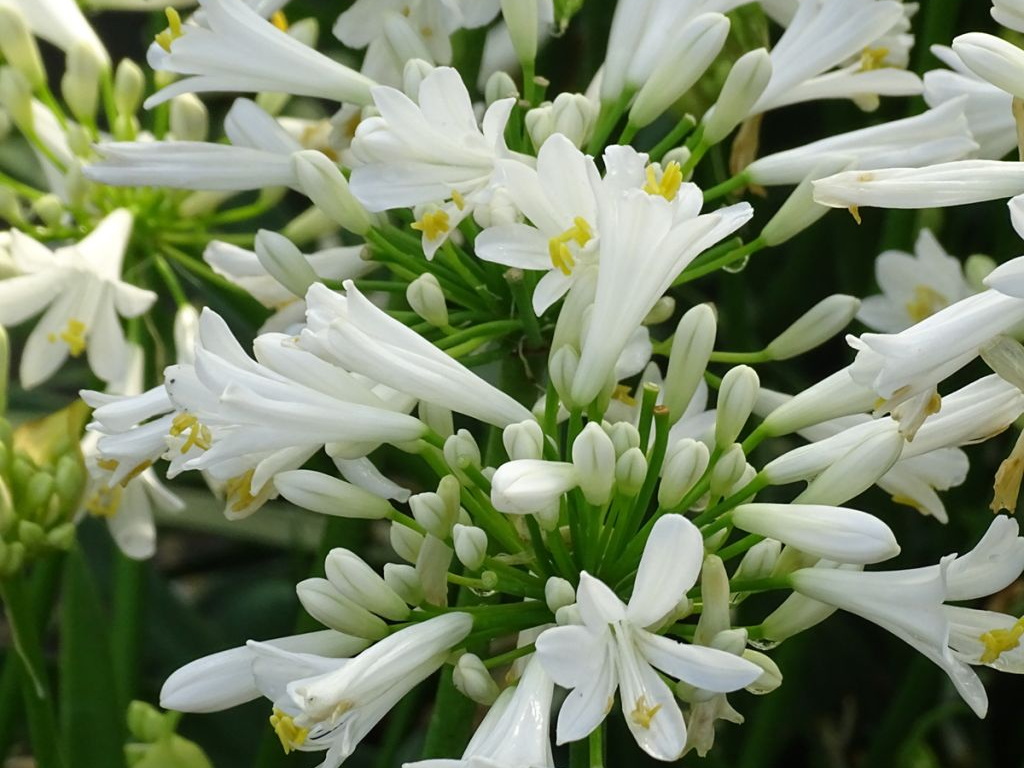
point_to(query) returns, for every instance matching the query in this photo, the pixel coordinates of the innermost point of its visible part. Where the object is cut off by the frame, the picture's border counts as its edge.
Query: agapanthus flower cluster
(471, 341)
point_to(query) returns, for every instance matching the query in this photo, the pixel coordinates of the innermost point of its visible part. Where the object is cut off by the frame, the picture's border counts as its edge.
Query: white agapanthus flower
(1009, 13)
(986, 637)
(432, 154)
(613, 649)
(914, 287)
(60, 22)
(429, 23)
(81, 287)
(236, 49)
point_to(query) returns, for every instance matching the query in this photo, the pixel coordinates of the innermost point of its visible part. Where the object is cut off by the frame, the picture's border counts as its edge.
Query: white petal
(669, 566)
(706, 668)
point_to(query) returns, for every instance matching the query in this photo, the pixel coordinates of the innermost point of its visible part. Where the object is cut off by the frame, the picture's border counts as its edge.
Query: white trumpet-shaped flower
(986, 637)
(236, 49)
(81, 288)
(364, 339)
(613, 649)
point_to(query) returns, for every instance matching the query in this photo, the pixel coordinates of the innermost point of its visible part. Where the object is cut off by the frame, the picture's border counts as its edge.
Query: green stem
(674, 137)
(128, 621)
(170, 280)
(596, 742)
(739, 547)
(740, 357)
(607, 119)
(729, 185)
(493, 329)
(723, 261)
(521, 294)
(508, 658)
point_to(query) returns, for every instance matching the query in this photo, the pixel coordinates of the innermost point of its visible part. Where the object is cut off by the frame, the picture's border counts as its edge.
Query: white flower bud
(470, 545)
(332, 609)
(736, 399)
(698, 45)
(499, 209)
(432, 567)
(759, 561)
(523, 27)
(568, 615)
(426, 298)
(431, 511)
(412, 75)
(998, 61)
(540, 124)
(462, 452)
(679, 155)
(691, 350)
(800, 210)
(743, 86)
(749, 473)
(406, 542)
(663, 309)
(129, 87)
(323, 183)
(728, 469)
(186, 329)
(593, 455)
(836, 533)
(189, 119)
(328, 495)
(685, 464)
(473, 681)
(571, 114)
(731, 641)
(284, 262)
(816, 326)
(623, 435)
(404, 581)
(558, 593)
(860, 468)
(19, 46)
(16, 98)
(771, 675)
(50, 209)
(353, 578)
(524, 440)
(631, 472)
(834, 396)
(500, 85)
(531, 486)
(80, 84)
(562, 370)
(450, 491)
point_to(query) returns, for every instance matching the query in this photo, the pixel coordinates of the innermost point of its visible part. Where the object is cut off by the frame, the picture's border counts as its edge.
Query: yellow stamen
(558, 247)
(105, 502)
(239, 491)
(925, 303)
(855, 212)
(459, 200)
(998, 641)
(198, 435)
(292, 736)
(110, 465)
(73, 335)
(433, 224)
(642, 714)
(173, 31)
(621, 394)
(908, 501)
(873, 58)
(136, 472)
(669, 183)
(279, 20)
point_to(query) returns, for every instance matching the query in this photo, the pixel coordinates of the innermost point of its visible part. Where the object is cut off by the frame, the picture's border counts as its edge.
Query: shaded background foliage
(852, 695)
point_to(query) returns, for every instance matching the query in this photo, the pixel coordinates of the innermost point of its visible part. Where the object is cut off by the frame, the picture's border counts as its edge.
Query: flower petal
(669, 566)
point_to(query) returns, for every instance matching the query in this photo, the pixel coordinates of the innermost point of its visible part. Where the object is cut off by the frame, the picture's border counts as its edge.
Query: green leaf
(92, 717)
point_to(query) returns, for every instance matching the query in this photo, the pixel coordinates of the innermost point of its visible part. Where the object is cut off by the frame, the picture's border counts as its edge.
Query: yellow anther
(173, 31)
(136, 472)
(105, 502)
(110, 465)
(909, 501)
(642, 714)
(239, 491)
(855, 212)
(926, 302)
(998, 641)
(459, 200)
(198, 435)
(279, 20)
(73, 335)
(433, 224)
(292, 736)
(669, 183)
(622, 394)
(558, 246)
(873, 58)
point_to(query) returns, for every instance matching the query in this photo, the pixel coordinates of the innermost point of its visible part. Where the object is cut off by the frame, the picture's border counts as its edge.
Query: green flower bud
(145, 723)
(62, 537)
(31, 534)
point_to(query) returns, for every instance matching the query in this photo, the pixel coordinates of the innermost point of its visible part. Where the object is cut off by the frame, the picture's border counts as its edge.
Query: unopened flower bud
(19, 46)
(736, 399)
(129, 87)
(426, 298)
(323, 183)
(834, 396)
(558, 592)
(759, 561)
(145, 723)
(663, 309)
(404, 581)
(461, 452)
(691, 350)
(50, 209)
(332, 609)
(562, 370)
(816, 326)
(860, 468)
(353, 578)
(189, 119)
(406, 542)
(572, 115)
(977, 267)
(328, 495)
(30, 534)
(431, 511)
(731, 641)
(470, 545)
(523, 27)
(631, 472)
(413, 73)
(524, 440)
(699, 43)
(743, 86)
(62, 537)
(568, 615)
(473, 681)
(16, 98)
(800, 210)
(500, 85)
(685, 464)
(12, 557)
(593, 455)
(728, 469)
(80, 84)
(284, 262)
(771, 675)
(623, 436)
(432, 564)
